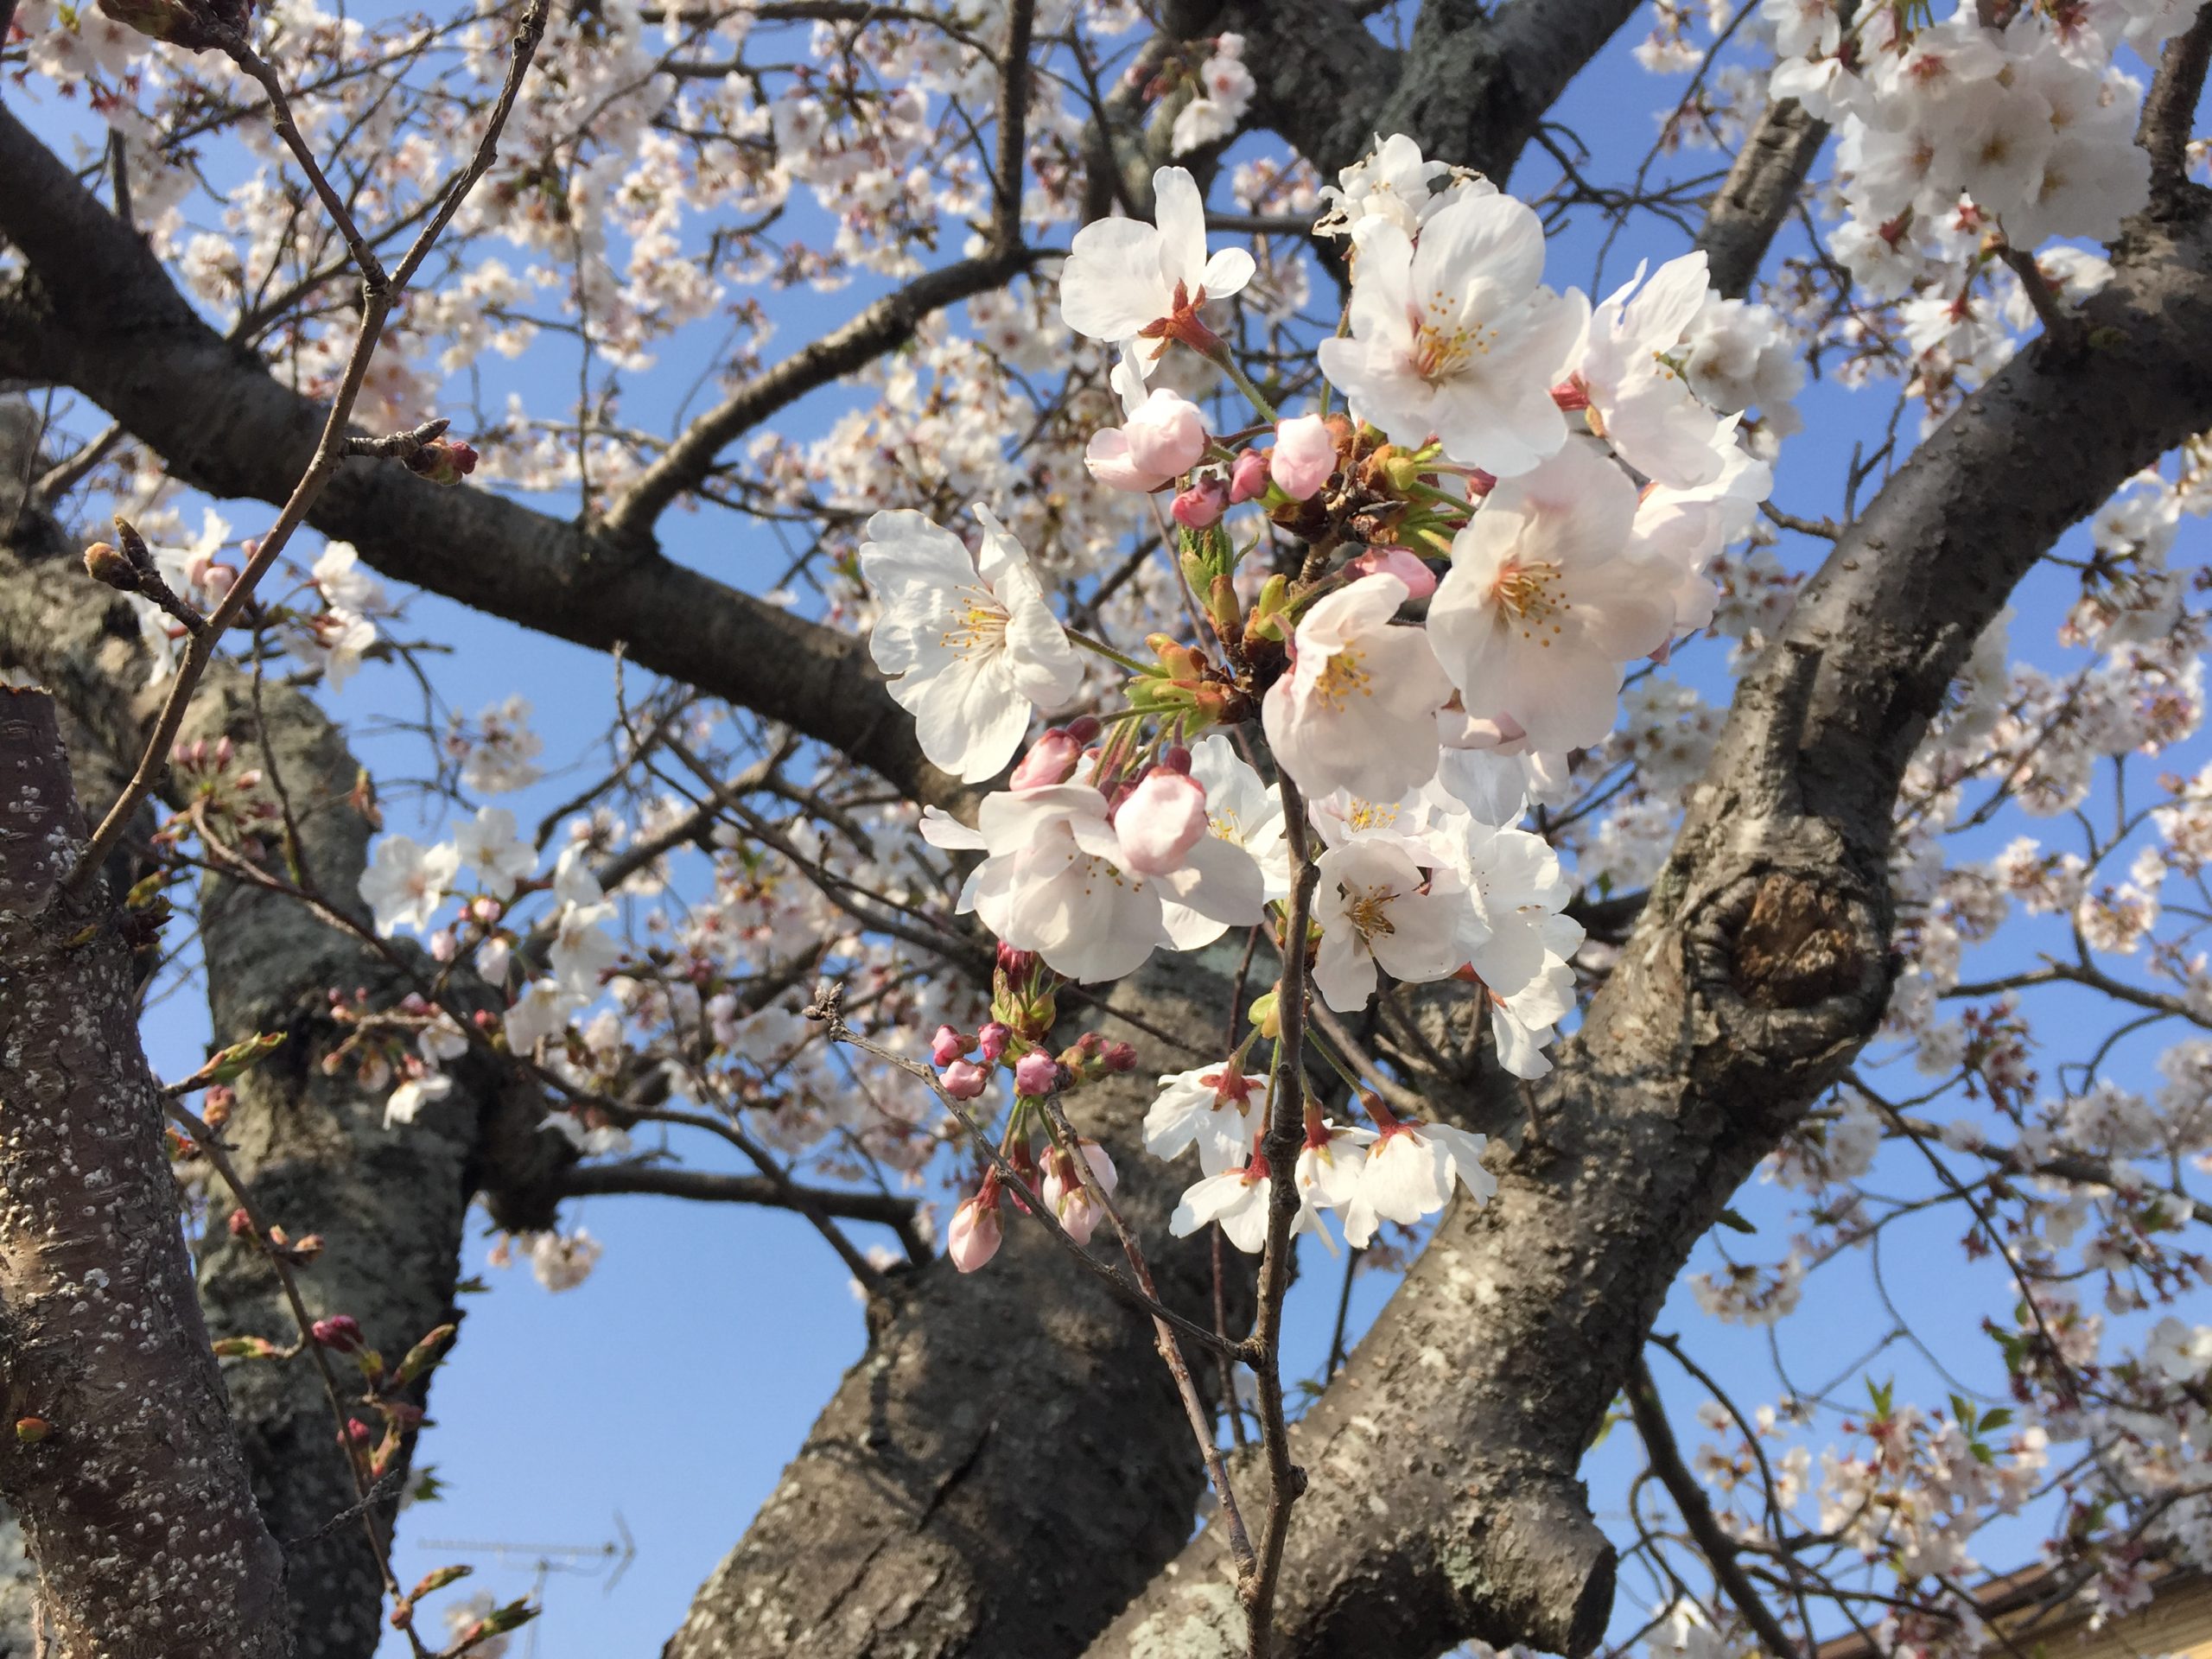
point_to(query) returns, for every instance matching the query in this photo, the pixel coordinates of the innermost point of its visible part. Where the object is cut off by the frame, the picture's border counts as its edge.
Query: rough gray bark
(1755, 973)
(1008, 1463)
(1762, 186)
(312, 1148)
(122, 1467)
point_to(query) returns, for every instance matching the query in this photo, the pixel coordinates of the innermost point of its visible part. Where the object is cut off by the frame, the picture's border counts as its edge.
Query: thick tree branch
(1761, 189)
(1009, 1462)
(1472, 86)
(389, 1202)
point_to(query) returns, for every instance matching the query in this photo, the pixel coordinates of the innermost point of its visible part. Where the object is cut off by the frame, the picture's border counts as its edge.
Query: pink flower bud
(993, 1039)
(443, 946)
(1399, 562)
(1176, 758)
(1248, 477)
(973, 1237)
(1201, 504)
(946, 1046)
(1051, 759)
(965, 1079)
(1083, 728)
(1036, 1073)
(1164, 439)
(1304, 456)
(341, 1332)
(1015, 964)
(1120, 1056)
(1160, 821)
(443, 461)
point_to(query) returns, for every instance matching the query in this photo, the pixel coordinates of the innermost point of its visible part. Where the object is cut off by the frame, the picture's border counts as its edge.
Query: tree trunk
(122, 1467)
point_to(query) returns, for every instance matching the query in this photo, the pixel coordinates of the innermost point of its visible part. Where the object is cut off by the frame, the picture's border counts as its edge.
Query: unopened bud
(442, 461)
(1036, 1073)
(993, 1039)
(946, 1046)
(341, 1331)
(106, 565)
(965, 1079)
(1120, 1056)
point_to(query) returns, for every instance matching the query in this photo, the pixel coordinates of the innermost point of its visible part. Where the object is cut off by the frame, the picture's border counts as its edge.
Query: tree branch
(1718, 1548)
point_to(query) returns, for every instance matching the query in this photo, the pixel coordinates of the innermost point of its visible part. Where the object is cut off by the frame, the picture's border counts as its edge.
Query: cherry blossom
(489, 845)
(1640, 400)
(1164, 435)
(1455, 338)
(1214, 1108)
(1238, 1200)
(1547, 598)
(1376, 910)
(1304, 456)
(1408, 1175)
(406, 882)
(1355, 711)
(1126, 280)
(970, 646)
(1391, 183)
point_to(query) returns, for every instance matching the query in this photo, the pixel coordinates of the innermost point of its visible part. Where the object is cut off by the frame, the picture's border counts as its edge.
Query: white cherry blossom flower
(541, 1012)
(1355, 710)
(406, 882)
(1238, 1200)
(1328, 1166)
(1053, 885)
(1547, 597)
(1408, 1175)
(1640, 401)
(582, 949)
(489, 845)
(1393, 183)
(1126, 280)
(1214, 1107)
(1377, 910)
(971, 648)
(1455, 337)
(420, 1086)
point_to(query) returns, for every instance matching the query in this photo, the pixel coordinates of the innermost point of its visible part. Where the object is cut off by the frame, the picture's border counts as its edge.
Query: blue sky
(670, 1389)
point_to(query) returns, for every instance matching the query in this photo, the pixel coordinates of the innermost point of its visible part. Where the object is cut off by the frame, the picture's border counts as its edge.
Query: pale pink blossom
(1354, 712)
(972, 1238)
(1548, 598)
(1376, 909)
(1160, 821)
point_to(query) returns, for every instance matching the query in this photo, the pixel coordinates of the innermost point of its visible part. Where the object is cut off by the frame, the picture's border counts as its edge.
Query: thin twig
(824, 1011)
(1285, 1132)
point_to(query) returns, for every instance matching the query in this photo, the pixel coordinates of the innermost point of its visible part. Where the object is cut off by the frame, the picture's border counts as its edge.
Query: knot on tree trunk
(1795, 944)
